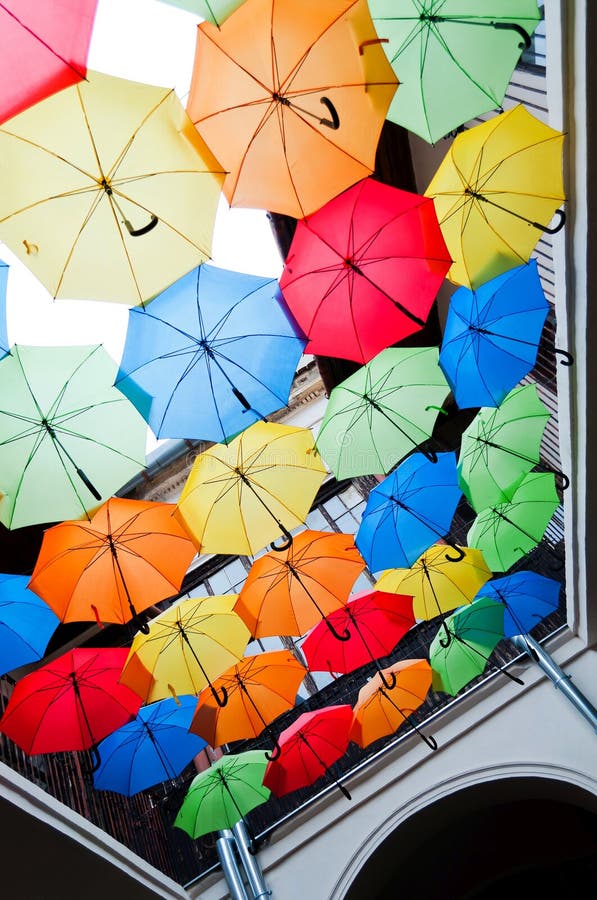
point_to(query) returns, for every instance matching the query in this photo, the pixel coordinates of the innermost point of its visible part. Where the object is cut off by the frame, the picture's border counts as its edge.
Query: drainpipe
(225, 845)
(559, 678)
(250, 862)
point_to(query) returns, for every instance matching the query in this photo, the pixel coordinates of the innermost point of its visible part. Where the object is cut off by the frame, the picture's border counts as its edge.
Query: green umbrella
(68, 437)
(214, 11)
(222, 795)
(453, 58)
(506, 531)
(383, 412)
(500, 446)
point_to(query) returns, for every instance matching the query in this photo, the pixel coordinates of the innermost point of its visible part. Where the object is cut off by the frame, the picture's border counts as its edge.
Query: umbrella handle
(568, 358)
(275, 753)
(96, 759)
(459, 551)
(334, 122)
(285, 544)
(559, 226)
(447, 638)
(343, 790)
(431, 455)
(221, 701)
(513, 26)
(389, 685)
(137, 232)
(345, 636)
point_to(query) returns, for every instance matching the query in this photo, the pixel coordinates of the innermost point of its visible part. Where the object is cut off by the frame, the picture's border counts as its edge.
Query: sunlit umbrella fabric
(215, 11)
(527, 597)
(4, 346)
(26, 623)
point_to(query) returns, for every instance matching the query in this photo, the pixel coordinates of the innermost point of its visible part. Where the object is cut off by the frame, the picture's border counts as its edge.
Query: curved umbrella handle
(221, 701)
(568, 358)
(137, 232)
(334, 122)
(345, 636)
(96, 759)
(446, 640)
(459, 551)
(429, 740)
(279, 548)
(513, 26)
(559, 226)
(389, 685)
(275, 753)
(565, 481)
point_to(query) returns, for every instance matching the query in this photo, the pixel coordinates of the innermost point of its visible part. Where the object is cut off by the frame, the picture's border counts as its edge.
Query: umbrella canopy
(222, 795)
(259, 688)
(212, 10)
(239, 497)
(26, 623)
(380, 414)
(287, 592)
(409, 511)
(130, 555)
(187, 647)
(454, 58)
(4, 344)
(68, 438)
(500, 446)
(492, 336)
(107, 191)
(70, 703)
(154, 747)
(527, 598)
(507, 530)
(496, 190)
(284, 83)
(43, 49)
(217, 334)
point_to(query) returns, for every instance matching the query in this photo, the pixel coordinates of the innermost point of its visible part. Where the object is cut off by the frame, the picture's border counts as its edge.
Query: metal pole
(225, 846)
(250, 862)
(560, 679)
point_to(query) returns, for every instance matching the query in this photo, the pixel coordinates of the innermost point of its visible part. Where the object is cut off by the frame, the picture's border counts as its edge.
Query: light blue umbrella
(26, 623)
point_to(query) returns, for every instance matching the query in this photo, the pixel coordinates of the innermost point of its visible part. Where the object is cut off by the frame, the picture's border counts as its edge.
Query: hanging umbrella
(500, 446)
(68, 438)
(215, 11)
(381, 710)
(130, 555)
(239, 497)
(187, 647)
(508, 530)
(492, 336)
(282, 84)
(259, 689)
(496, 190)
(26, 623)
(222, 795)
(156, 746)
(363, 271)
(4, 343)
(527, 598)
(219, 335)
(287, 592)
(309, 747)
(107, 192)
(409, 511)
(70, 703)
(454, 59)
(380, 414)
(43, 49)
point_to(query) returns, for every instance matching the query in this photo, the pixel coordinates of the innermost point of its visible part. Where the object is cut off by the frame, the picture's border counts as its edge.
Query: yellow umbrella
(240, 496)
(107, 192)
(496, 190)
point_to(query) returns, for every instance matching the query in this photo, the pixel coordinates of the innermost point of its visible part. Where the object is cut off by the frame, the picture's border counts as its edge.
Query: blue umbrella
(4, 348)
(527, 597)
(154, 747)
(26, 623)
(491, 336)
(213, 353)
(409, 511)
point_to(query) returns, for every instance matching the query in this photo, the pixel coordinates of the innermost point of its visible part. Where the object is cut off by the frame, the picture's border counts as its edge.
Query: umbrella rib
(80, 72)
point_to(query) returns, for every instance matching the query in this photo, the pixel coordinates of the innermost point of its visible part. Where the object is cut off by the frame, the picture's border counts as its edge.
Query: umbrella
(381, 710)
(215, 11)
(491, 336)
(239, 497)
(498, 186)
(130, 555)
(509, 529)
(68, 438)
(222, 795)
(220, 335)
(282, 84)
(309, 747)
(454, 58)
(107, 192)
(26, 623)
(500, 446)
(43, 50)
(4, 343)
(409, 511)
(188, 646)
(287, 592)
(527, 598)
(70, 703)
(375, 622)
(363, 271)
(259, 689)
(154, 747)
(380, 414)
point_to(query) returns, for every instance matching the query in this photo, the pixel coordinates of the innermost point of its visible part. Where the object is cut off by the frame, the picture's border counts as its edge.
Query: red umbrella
(308, 748)
(375, 621)
(363, 271)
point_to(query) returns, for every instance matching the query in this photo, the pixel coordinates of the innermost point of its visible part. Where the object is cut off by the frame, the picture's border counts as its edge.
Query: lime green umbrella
(508, 530)
(383, 412)
(222, 795)
(500, 446)
(214, 11)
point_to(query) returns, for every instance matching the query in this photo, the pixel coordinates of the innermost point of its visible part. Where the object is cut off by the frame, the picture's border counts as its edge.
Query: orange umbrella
(291, 97)
(130, 555)
(290, 591)
(379, 711)
(259, 689)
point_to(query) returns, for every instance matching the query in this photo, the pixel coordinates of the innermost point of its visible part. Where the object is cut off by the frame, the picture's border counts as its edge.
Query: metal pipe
(225, 845)
(560, 679)
(250, 862)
